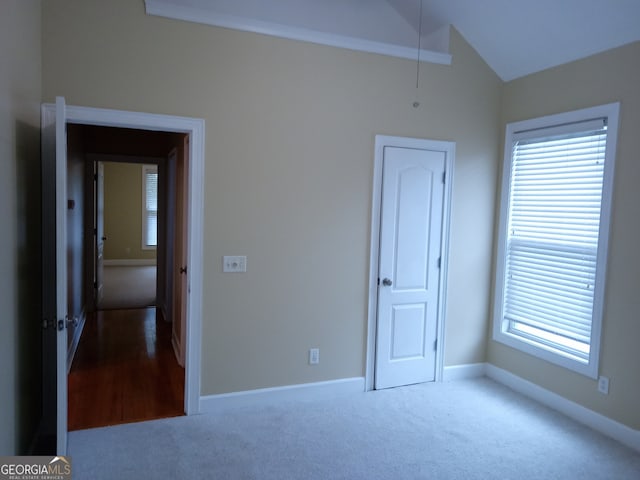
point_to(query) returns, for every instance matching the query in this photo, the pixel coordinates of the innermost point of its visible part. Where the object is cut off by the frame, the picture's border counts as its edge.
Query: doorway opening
(62, 214)
(126, 224)
(128, 363)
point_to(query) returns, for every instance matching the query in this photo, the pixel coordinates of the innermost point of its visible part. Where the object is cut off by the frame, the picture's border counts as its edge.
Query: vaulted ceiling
(515, 37)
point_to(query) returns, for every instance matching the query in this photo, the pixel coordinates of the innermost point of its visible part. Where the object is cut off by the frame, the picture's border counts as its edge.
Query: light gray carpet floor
(471, 429)
(128, 287)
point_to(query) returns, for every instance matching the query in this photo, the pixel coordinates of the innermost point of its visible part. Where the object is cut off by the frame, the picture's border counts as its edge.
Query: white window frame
(145, 212)
(501, 331)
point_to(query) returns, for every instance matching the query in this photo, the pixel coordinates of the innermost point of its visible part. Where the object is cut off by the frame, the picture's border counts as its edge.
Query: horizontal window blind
(552, 237)
(150, 206)
(152, 229)
(151, 190)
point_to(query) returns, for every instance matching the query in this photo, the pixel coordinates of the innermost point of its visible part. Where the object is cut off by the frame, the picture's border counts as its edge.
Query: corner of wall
(20, 238)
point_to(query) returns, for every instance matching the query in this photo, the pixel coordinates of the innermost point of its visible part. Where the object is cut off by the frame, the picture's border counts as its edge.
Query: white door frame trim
(195, 128)
(402, 142)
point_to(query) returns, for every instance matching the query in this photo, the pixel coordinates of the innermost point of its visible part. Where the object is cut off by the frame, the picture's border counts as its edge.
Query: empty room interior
(355, 202)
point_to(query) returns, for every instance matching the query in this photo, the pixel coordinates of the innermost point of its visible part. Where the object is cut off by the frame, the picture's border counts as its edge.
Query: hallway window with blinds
(554, 224)
(149, 206)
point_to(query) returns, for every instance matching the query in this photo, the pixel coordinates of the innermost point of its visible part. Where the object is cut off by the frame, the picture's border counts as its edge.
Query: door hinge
(95, 284)
(439, 262)
(95, 176)
(378, 281)
(435, 345)
(61, 325)
(48, 323)
(444, 176)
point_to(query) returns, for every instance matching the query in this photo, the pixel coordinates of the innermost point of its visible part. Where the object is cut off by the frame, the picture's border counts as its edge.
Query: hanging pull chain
(419, 47)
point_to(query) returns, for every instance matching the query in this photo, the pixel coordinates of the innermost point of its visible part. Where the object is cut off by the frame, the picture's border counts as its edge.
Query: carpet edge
(605, 425)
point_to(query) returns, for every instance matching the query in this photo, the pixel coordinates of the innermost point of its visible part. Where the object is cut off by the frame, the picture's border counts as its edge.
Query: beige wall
(289, 166)
(20, 91)
(608, 77)
(123, 212)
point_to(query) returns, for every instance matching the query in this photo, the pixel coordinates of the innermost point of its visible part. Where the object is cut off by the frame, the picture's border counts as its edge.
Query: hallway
(124, 371)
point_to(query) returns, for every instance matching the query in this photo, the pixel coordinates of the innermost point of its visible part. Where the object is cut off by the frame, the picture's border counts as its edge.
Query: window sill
(547, 353)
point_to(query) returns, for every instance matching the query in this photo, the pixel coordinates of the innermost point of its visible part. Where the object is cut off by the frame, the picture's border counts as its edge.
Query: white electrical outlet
(603, 385)
(236, 263)
(314, 356)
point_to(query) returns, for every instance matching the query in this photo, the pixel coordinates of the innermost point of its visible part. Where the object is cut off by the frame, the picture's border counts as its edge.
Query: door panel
(413, 199)
(100, 236)
(61, 273)
(410, 245)
(54, 196)
(183, 253)
(407, 327)
(180, 291)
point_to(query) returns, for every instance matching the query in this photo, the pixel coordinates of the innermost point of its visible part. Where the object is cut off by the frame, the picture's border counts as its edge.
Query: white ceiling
(515, 37)
(519, 37)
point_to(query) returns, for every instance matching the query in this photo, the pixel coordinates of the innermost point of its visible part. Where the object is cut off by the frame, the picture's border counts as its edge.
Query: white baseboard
(129, 262)
(598, 422)
(462, 372)
(273, 396)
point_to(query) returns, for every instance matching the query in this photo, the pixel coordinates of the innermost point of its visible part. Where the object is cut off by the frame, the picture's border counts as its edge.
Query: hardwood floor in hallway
(124, 371)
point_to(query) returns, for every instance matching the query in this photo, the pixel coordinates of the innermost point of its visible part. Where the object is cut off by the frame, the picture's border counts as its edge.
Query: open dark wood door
(99, 234)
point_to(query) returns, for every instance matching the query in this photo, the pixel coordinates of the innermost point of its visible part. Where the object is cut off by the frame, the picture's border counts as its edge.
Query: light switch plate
(314, 356)
(235, 263)
(603, 385)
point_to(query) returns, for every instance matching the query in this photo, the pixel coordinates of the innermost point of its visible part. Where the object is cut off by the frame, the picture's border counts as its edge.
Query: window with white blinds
(149, 206)
(555, 210)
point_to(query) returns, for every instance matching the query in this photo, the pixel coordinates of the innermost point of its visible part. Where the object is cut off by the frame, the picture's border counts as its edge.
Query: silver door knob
(387, 282)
